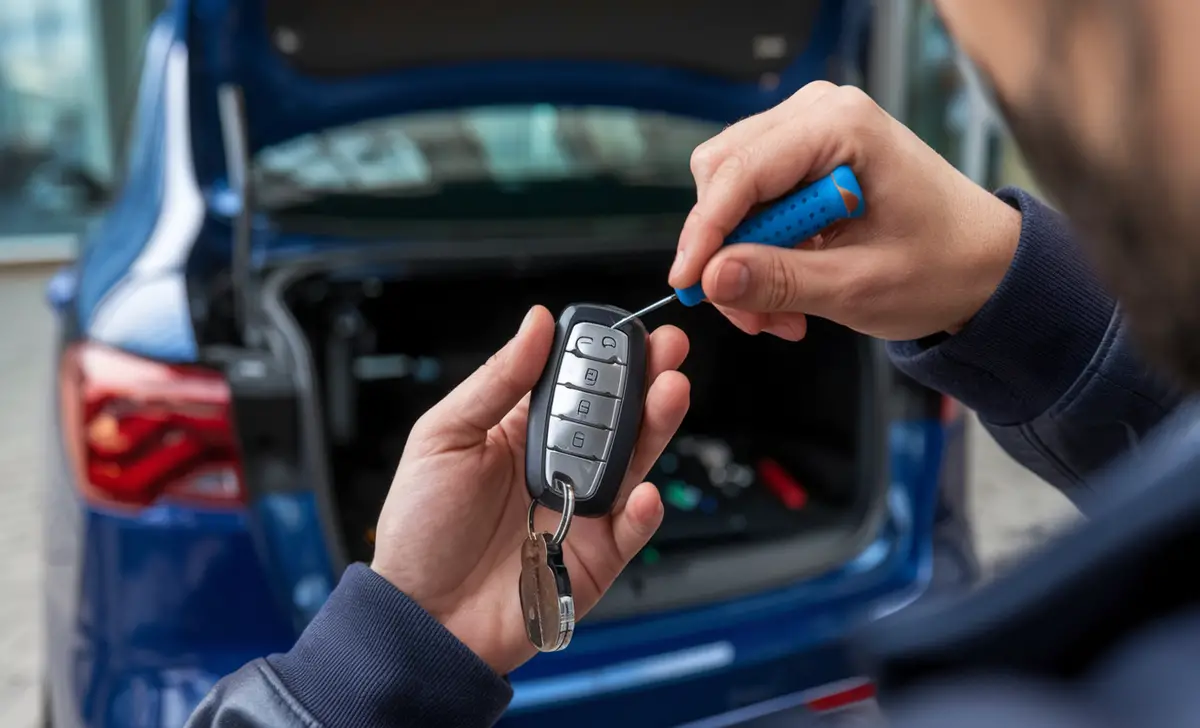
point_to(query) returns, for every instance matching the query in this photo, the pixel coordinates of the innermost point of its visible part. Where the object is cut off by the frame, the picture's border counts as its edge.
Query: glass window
(54, 151)
(489, 157)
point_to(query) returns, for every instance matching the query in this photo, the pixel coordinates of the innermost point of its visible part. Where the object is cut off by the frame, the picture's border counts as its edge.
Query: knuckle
(495, 362)
(498, 370)
(705, 159)
(814, 90)
(784, 290)
(733, 164)
(719, 160)
(423, 430)
(854, 103)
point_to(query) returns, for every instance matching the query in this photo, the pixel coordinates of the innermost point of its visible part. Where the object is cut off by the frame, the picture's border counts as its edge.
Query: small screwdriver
(785, 224)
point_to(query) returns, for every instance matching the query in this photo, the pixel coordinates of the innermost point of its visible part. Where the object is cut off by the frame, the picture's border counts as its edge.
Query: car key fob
(586, 409)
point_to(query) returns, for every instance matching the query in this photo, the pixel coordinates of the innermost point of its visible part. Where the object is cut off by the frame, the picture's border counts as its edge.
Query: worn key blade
(547, 605)
(566, 599)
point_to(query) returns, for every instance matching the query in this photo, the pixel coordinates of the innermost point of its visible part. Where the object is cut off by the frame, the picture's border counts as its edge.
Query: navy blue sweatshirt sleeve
(371, 657)
(1047, 363)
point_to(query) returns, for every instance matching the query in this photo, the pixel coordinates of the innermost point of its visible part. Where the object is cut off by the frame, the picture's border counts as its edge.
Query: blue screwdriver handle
(795, 218)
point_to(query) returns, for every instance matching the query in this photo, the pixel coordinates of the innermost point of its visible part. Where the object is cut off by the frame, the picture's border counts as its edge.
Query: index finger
(747, 171)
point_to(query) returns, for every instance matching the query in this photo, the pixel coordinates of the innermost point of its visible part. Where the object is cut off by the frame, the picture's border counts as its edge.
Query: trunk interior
(777, 473)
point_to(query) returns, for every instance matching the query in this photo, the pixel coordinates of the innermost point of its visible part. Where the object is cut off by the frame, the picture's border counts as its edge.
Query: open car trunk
(383, 159)
(776, 475)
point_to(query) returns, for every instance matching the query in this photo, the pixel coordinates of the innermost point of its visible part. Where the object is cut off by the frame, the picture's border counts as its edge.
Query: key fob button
(584, 474)
(591, 375)
(599, 342)
(576, 439)
(585, 407)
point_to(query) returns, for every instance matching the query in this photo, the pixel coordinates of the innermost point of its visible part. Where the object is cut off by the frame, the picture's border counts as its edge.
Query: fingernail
(525, 322)
(677, 266)
(733, 279)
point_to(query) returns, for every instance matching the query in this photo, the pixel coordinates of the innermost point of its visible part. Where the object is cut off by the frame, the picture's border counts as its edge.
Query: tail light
(139, 432)
(952, 410)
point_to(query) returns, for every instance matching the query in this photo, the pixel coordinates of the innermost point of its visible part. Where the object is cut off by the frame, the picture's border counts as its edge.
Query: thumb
(476, 405)
(766, 279)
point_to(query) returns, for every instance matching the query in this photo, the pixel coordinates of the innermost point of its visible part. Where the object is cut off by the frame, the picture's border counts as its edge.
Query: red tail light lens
(139, 431)
(951, 410)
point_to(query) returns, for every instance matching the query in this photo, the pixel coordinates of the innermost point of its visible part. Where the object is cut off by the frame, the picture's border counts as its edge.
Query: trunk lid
(306, 65)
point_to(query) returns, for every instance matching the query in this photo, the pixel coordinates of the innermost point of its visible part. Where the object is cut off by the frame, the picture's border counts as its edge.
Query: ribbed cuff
(1032, 339)
(373, 657)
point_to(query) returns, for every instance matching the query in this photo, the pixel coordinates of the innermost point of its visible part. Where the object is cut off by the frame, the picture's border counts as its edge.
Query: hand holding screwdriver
(785, 224)
(925, 259)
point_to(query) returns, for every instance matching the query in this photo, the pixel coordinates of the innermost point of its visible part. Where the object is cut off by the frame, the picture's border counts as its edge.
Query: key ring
(564, 524)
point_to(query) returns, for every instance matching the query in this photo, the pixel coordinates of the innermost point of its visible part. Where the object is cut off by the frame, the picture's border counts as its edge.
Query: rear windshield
(488, 162)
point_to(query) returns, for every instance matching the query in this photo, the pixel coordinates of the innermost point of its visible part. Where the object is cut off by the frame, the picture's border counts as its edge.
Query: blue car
(332, 212)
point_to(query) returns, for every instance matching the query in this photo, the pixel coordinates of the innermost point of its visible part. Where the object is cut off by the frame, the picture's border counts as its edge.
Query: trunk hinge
(247, 313)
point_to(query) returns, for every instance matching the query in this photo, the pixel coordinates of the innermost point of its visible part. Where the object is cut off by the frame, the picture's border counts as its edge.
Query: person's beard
(1143, 236)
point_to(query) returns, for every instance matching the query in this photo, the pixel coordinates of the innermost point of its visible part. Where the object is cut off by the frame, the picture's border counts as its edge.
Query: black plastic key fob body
(586, 409)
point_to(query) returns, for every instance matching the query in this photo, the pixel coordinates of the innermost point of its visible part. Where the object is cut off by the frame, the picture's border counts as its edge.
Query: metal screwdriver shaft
(652, 307)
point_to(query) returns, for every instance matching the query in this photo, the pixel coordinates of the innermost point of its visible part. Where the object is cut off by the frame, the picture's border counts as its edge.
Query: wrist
(482, 630)
(374, 656)
(479, 629)
(995, 234)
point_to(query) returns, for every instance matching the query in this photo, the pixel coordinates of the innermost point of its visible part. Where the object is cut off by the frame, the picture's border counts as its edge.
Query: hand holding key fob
(585, 414)
(586, 410)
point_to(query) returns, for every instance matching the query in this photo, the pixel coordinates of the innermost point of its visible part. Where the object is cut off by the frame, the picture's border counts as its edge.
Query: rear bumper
(773, 688)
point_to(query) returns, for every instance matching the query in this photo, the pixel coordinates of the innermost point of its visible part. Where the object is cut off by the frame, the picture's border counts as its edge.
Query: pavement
(26, 336)
(1013, 510)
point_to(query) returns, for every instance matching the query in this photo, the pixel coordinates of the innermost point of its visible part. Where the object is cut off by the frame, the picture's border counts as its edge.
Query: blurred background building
(67, 72)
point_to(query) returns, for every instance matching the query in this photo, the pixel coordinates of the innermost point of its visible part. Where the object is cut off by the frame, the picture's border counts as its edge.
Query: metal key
(586, 410)
(546, 601)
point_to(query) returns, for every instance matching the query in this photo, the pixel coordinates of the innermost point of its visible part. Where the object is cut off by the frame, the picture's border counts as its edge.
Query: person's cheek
(1004, 39)
(1175, 99)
